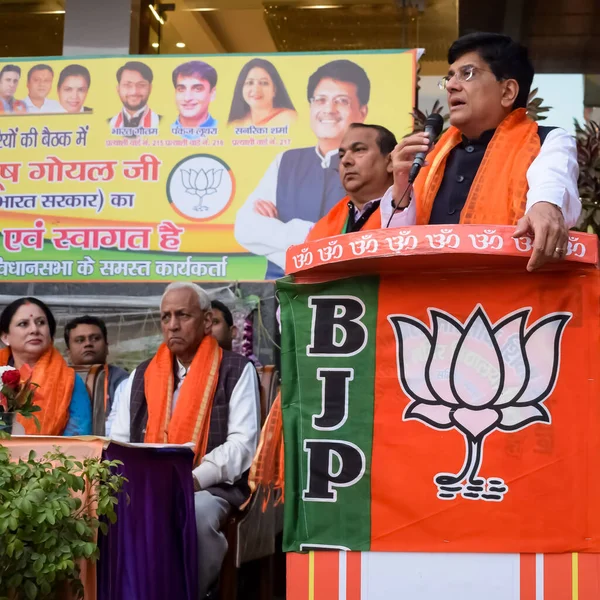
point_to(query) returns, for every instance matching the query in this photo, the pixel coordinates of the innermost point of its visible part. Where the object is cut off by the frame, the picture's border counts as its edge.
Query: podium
(441, 417)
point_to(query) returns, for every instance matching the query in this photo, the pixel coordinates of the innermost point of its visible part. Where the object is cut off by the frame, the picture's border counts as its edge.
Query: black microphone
(433, 126)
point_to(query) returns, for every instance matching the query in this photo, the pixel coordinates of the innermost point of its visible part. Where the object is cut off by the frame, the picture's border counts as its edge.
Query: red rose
(11, 378)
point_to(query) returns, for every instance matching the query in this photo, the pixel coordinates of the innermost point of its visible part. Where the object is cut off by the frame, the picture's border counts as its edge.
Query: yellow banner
(179, 167)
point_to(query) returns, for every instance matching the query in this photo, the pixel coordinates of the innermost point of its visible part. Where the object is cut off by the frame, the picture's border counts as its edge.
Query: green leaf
(26, 506)
(30, 589)
(15, 580)
(38, 564)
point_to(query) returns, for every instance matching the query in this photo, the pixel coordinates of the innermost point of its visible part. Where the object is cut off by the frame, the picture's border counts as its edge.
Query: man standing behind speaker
(494, 165)
(366, 173)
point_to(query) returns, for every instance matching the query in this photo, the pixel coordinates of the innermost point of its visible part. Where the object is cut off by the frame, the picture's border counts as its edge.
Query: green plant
(535, 109)
(419, 117)
(588, 157)
(50, 512)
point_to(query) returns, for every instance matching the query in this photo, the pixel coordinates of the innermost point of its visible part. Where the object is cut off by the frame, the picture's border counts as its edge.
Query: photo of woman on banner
(301, 185)
(195, 87)
(73, 86)
(260, 97)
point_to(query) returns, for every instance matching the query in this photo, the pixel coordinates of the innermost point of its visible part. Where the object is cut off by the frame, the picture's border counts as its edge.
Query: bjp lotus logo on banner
(477, 377)
(200, 187)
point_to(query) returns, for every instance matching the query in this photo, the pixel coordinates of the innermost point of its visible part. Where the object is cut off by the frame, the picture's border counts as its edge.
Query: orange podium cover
(437, 397)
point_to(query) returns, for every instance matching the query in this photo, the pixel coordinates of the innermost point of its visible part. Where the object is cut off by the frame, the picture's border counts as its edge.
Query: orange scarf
(498, 194)
(56, 381)
(270, 117)
(267, 468)
(334, 221)
(190, 421)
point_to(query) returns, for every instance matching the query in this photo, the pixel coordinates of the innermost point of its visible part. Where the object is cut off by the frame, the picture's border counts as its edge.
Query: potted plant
(50, 512)
(588, 157)
(16, 397)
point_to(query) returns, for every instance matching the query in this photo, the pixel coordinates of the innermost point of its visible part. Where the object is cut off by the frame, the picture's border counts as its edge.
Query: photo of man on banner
(39, 83)
(9, 81)
(134, 87)
(195, 87)
(301, 185)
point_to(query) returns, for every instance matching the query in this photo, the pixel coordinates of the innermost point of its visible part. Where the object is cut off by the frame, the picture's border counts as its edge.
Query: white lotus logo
(201, 183)
(477, 377)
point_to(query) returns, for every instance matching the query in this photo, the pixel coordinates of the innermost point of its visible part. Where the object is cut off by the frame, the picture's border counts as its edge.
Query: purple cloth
(151, 551)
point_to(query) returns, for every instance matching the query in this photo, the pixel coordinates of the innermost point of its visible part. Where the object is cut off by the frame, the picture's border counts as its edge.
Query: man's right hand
(403, 156)
(266, 209)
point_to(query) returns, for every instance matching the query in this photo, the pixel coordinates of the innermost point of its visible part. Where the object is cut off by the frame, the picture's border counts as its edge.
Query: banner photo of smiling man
(281, 210)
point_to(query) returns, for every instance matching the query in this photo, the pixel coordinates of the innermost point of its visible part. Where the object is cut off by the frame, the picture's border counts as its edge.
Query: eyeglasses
(337, 101)
(462, 74)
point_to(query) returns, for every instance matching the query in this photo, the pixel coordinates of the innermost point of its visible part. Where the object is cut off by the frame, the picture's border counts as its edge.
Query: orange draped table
(441, 417)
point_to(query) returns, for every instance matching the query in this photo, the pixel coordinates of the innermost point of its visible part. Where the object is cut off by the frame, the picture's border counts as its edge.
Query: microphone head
(435, 124)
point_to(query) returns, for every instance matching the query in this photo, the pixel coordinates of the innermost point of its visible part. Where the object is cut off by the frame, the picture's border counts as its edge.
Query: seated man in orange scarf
(86, 338)
(494, 165)
(193, 391)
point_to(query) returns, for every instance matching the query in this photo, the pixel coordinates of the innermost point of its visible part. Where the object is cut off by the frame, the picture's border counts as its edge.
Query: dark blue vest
(462, 165)
(305, 190)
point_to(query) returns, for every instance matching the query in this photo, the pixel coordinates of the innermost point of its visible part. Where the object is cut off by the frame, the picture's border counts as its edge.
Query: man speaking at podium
(494, 165)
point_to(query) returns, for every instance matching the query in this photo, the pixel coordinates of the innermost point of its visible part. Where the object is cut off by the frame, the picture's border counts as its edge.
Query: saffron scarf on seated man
(190, 421)
(498, 196)
(56, 381)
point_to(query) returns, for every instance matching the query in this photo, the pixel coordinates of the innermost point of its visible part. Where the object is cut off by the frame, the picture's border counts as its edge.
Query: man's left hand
(546, 223)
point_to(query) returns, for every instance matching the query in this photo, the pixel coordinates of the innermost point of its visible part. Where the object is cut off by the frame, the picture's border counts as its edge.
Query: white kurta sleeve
(229, 461)
(552, 176)
(120, 426)
(404, 218)
(266, 236)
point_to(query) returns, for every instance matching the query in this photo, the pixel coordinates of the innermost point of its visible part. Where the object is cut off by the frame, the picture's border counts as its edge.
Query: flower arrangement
(17, 393)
